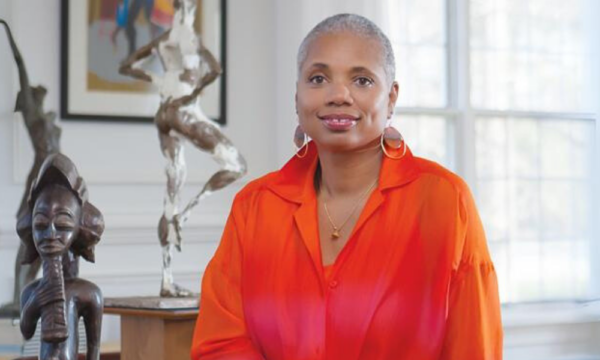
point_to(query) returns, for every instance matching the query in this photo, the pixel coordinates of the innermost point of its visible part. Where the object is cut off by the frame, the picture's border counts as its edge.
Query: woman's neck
(348, 173)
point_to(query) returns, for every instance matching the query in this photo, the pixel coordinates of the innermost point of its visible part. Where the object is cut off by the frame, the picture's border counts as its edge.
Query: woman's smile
(339, 122)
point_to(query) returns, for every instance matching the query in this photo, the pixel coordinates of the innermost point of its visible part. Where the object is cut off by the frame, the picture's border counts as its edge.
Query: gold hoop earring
(301, 142)
(392, 138)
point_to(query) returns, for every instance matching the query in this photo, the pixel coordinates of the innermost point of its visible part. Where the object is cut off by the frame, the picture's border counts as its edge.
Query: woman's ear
(296, 98)
(393, 96)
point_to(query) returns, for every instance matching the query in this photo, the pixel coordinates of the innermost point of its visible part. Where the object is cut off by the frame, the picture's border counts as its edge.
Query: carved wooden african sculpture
(180, 118)
(45, 136)
(59, 225)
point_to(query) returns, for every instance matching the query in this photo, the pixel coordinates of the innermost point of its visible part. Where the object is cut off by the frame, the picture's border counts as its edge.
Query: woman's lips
(339, 122)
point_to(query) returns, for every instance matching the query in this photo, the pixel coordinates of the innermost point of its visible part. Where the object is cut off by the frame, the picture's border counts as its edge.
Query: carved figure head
(58, 216)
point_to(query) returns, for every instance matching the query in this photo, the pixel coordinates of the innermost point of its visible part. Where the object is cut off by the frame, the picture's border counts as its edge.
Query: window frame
(461, 114)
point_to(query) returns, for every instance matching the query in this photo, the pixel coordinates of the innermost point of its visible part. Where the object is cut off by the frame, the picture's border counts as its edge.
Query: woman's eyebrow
(319, 66)
(362, 69)
(353, 70)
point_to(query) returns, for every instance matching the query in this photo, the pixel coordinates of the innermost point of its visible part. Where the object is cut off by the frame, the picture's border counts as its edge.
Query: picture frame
(92, 49)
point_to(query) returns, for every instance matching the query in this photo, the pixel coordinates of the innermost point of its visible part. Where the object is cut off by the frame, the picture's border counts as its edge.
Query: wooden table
(155, 334)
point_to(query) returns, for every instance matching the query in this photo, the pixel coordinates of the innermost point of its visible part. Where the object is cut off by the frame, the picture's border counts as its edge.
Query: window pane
(582, 267)
(524, 273)
(534, 193)
(418, 35)
(556, 198)
(523, 145)
(566, 149)
(529, 56)
(524, 205)
(494, 209)
(429, 137)
(582, 208)
(491, 140)
(499, 253)
(558, 269)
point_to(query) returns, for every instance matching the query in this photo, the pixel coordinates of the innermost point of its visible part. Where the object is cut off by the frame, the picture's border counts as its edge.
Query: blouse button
(333, 284)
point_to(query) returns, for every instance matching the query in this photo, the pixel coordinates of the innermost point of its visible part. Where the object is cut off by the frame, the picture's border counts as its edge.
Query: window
(421, 66)
(499, 91)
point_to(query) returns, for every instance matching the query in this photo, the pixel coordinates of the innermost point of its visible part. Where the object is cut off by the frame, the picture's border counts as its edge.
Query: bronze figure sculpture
(45, 137)
(181, 118)
(59, 225)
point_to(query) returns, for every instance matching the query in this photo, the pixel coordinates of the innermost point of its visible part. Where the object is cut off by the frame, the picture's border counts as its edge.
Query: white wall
(121, 162)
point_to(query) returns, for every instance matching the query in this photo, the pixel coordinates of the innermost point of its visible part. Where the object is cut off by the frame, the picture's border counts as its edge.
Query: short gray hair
(355, 24)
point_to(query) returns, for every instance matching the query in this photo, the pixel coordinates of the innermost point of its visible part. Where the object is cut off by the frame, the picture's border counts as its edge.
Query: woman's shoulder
(255, 186)
(439, 174)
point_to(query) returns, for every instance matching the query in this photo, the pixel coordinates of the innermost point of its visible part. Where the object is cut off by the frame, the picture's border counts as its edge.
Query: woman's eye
(317, 79)
(364, 81)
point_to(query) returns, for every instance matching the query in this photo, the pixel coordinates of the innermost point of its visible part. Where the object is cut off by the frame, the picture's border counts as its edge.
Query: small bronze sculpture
(180, 118)
(59, 225)
(45, 138)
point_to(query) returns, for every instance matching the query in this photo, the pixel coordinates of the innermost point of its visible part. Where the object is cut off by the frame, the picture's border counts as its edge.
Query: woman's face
(342, 96)
(56, 216)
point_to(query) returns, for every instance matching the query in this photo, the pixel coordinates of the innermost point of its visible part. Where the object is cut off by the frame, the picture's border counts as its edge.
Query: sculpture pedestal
(154, 328)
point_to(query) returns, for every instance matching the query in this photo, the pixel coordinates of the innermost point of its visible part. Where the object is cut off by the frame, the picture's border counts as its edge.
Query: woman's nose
(339, 94)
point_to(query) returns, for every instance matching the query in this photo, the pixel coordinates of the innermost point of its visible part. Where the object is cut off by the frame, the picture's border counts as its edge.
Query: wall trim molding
(132, 230)
(126, 277)
(22, 161)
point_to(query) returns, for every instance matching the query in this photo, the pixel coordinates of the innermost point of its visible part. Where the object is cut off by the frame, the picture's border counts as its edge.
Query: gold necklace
(336, 230)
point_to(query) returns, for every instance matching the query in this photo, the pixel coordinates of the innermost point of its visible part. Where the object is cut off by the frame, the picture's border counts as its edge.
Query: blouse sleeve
(220, 331)
(474, 326)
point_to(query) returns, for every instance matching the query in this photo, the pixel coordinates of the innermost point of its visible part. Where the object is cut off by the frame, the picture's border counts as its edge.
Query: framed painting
(97, 35)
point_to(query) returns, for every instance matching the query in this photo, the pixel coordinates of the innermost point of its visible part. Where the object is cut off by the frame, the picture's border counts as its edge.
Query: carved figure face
(56, 219)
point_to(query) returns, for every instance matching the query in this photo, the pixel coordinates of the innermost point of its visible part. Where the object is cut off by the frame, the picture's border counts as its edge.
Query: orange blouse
(414, 281)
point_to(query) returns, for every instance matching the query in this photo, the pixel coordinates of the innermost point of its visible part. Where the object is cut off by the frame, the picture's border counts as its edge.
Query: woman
(355, 249)
(59, 226)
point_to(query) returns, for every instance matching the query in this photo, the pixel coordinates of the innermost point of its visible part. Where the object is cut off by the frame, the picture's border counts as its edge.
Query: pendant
(335, 234)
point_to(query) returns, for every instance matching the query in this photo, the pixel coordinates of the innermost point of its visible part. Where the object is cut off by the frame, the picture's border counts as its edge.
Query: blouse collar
(295, 180)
